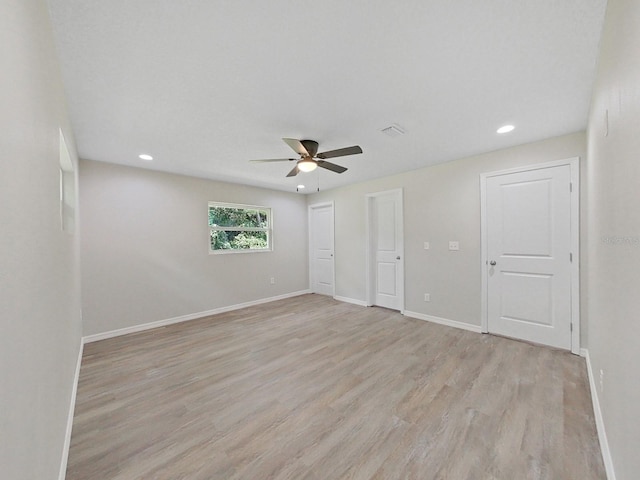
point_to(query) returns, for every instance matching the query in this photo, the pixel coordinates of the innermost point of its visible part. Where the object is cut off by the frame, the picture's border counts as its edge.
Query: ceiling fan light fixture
(307, 165)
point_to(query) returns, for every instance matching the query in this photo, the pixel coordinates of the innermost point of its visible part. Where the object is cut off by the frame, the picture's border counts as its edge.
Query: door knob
(398, 257)
(492, 263)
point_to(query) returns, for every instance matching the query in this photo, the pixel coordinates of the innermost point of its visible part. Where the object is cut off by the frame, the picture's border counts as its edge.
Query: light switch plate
(426, 245)
(454, 245)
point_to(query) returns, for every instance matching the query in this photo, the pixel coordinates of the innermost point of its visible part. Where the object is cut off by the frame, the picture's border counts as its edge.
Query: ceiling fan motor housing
(311, 146)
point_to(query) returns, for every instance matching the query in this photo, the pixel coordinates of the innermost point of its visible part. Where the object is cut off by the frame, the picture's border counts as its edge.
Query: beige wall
(145, 252)
(39, 272)
(441, 203)
(614, 234)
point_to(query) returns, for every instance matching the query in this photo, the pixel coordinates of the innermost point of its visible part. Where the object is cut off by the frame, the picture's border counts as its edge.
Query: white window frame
(68, 195)
(240, 206)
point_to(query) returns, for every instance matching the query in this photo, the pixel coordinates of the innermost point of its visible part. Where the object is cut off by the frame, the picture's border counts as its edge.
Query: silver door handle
(398, 257)
(492, 263)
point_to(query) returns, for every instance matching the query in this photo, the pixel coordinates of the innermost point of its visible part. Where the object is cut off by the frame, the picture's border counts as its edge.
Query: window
(239, 228)
(67, 188)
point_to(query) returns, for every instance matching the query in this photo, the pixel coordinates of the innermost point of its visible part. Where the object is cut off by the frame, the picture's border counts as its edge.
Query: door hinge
(571, 327)
(571, 257)
(571, 186)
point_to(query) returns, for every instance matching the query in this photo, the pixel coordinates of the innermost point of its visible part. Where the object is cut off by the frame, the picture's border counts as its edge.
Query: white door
(321, 265)
(386, 247)
(528, 241)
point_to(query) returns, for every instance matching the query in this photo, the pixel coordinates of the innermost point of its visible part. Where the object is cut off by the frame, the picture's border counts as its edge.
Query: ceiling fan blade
(331, 166)
(341, 152)
(293, 172)
(297, 146)
(275, 160)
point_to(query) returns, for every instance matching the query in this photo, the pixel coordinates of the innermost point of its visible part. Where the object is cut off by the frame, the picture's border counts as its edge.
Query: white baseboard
(184, 318)
(72, 407)
(443, 321)
(602, 434)
(350, 300)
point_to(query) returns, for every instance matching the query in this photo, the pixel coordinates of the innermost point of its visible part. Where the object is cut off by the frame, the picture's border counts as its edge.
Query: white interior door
(386, 247)
(321, 238)
(529, 255)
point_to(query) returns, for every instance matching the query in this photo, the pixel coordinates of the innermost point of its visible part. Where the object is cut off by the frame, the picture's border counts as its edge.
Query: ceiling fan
(310, 158)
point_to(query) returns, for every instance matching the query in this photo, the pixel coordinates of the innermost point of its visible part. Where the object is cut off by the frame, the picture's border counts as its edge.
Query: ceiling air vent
(393, 131)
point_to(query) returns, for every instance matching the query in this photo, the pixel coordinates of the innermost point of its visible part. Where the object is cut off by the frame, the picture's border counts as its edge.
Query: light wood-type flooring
(314, 389)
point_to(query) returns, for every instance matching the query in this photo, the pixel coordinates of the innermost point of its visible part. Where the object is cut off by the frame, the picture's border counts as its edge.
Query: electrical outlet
(427, 297)
(454, 245)
(272, 281)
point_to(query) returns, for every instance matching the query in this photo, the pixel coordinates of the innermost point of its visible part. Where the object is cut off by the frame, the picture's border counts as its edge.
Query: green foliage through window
(239, 227)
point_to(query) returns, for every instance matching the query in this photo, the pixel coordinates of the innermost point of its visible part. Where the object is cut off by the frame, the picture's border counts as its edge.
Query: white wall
(39, 274)
(614, 234)
(145, 247)
(441, 203)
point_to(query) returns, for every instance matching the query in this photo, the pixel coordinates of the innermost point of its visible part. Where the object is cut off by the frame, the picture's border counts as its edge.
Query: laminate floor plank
(309, 388)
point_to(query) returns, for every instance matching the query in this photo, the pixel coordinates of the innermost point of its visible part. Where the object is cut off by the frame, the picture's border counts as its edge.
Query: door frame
(370, 251)
(333, 243)
(574, 164)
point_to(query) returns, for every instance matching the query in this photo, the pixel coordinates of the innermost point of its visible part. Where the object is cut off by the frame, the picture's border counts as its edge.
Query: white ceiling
(206, 85)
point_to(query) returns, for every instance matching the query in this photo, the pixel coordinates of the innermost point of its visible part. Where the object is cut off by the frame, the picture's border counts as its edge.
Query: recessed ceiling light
(505, 129)
(144, 156)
